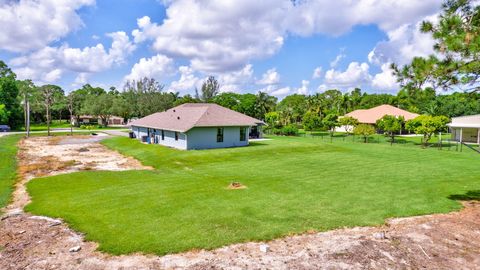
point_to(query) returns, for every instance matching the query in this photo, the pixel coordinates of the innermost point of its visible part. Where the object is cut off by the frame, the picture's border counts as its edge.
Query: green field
(294, 185)
(8, 163)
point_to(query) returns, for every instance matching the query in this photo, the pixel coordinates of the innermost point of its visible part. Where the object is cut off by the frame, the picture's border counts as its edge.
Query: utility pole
(28, 118)
(26, 108)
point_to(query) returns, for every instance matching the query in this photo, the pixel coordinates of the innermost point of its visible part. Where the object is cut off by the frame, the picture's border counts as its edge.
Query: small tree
(311, 121)
(210, 88)
(330, 122)
(48, 93)
(348, 123)
(101, 106)
(391, 125)
(273, 119)
(427, 125)
(364, 130)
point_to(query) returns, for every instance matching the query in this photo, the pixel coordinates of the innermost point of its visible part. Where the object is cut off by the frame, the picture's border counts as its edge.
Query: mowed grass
(8, 167)
(294, 185)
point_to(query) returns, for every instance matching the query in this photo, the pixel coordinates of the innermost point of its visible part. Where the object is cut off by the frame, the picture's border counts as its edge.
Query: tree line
(455, 65)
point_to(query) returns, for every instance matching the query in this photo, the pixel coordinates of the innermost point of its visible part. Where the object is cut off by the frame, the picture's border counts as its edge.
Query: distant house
(196, 126)
(466, 128)
(92, 120)
(370, 116)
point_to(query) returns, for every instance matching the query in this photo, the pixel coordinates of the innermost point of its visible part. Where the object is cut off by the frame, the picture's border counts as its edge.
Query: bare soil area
(442, 241)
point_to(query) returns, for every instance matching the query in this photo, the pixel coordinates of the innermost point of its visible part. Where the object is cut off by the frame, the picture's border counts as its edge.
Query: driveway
(114, 132)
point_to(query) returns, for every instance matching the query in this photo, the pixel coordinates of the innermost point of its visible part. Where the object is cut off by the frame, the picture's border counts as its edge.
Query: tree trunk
(48, 120)
(25, 111)
(71, 124)
(392, 139)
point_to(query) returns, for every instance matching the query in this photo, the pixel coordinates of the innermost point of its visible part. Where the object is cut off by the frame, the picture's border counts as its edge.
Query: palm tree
(315, 103)
(175, 95)
(345, 103)
(264, 104)
(26, 89)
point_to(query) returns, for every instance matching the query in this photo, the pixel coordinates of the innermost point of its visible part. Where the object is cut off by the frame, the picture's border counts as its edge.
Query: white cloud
(404, 43)
(355, 75)
(216, 36)
(29, 25)
(81, 79)
(221, 36)
(269, 77)
(237, 80)
(310, 16)
(337, 60)
(303, 90)
(187, 81)
(49, 63)
(386, 80)
(53, 75)
(317, 73)
(281, 92)
(158, 67)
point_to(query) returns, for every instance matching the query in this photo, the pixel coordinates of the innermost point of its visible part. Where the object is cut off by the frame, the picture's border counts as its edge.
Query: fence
(435, 142)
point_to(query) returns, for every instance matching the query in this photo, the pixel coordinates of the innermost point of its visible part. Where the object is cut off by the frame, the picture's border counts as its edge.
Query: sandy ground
(444, 241)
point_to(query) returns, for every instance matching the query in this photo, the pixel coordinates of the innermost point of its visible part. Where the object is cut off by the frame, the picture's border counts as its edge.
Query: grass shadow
(473, 195)
(254, 144)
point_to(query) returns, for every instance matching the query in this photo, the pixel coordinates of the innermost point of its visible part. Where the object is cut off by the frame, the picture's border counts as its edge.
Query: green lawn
(294, 185)
(43, 126)
(63, 124)
(8, 167)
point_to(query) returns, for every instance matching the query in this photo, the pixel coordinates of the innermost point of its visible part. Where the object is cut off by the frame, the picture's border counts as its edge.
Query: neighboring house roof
(94, 117)
(370, 116)
(469, 121)
(187, 116)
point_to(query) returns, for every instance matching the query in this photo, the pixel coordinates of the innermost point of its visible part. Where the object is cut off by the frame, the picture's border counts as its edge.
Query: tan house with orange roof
(196, 126)
(370, 116)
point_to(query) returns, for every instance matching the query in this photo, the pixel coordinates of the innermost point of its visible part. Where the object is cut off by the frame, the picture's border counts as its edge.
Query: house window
(243, 134)
(163, 135)
(176, 136)
(219, 134)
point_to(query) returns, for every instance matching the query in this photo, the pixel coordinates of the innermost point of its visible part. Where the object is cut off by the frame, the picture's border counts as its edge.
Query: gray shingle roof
(187, 116)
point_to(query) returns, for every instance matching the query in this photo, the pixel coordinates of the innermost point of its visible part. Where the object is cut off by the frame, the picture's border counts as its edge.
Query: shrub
(348, 123)
(311, 121)
(289, 130)
(427, 125)
(89, 127)
(364, 130)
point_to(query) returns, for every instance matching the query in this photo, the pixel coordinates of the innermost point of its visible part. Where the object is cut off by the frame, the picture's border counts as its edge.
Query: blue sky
(272, 45)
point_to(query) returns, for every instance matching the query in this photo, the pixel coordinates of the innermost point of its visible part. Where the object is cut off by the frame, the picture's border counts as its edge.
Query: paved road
(113, 132)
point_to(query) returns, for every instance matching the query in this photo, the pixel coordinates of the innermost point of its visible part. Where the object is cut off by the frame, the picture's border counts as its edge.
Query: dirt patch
(236, 185)
(47, 156)
(444, 241)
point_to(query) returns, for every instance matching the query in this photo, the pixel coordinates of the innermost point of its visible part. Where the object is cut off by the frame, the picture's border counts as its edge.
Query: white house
(196, 126)
(466, 128)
